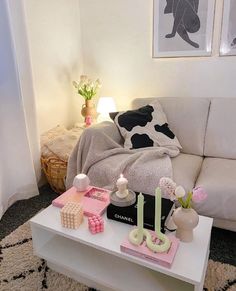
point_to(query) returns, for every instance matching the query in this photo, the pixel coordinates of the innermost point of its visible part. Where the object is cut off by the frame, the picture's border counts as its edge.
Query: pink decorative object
(71, 215)
(199, 194)
(88, 120)
(168, 186)
(165, 259)
(94, 201)
(96, 224)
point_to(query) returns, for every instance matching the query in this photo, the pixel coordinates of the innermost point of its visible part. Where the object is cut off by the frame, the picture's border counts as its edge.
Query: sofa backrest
(221, 129)
(187, 117)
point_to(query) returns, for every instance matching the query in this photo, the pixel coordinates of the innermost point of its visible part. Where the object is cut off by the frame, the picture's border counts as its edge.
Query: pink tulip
(199, 194)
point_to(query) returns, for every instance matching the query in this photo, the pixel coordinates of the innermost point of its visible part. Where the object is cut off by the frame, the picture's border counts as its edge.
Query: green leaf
(181, 201)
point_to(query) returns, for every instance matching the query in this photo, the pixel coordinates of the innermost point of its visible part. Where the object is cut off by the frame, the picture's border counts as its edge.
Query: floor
(223, 242)
(23, 210)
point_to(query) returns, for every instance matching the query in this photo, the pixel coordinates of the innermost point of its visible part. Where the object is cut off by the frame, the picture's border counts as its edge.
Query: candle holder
(122, 194)
(123, 202)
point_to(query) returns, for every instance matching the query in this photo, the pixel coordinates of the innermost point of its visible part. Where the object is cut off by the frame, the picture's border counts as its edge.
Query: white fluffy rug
(20, 270)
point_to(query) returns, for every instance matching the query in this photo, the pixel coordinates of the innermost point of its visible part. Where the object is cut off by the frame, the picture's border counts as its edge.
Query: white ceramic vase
(186, 219)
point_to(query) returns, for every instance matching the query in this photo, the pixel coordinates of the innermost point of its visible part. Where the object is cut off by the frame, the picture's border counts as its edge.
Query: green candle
(158, 210)
(140, 217)
(137, 235)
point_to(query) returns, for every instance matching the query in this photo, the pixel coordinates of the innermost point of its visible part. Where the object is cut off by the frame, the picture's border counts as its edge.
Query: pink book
(94, 200)
(165, 259)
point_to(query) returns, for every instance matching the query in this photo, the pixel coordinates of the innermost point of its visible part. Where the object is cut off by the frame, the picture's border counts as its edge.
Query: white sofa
(206, 130)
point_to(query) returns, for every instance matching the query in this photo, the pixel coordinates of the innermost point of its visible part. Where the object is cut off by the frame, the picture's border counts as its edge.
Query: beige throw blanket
(100, 154)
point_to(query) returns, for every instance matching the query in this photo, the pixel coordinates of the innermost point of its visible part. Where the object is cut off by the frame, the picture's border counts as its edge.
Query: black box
(129, 214)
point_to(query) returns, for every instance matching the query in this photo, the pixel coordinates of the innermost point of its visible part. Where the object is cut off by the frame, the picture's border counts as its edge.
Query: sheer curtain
(19, 142)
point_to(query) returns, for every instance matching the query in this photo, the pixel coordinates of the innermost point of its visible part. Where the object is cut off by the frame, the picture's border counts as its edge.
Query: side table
(55, 154)
(82, 125)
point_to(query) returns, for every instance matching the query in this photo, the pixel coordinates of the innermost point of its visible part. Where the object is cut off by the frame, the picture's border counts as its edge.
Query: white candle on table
(81, 182)
(121, 184)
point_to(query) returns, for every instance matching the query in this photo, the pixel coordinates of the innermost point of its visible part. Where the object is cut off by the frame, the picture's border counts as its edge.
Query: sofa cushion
(221, 129)
(186, 169)
(145, 127)
(218, 177)
(187, 117)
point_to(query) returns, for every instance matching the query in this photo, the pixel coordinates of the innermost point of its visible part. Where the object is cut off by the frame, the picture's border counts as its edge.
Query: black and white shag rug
(21, 270)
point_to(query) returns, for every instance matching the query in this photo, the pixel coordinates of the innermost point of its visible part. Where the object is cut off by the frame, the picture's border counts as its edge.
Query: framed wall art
(183, 28)
(228, 32)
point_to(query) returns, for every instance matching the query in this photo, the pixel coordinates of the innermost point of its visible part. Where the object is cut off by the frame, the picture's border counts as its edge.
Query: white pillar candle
(121, 184)
(81, 182)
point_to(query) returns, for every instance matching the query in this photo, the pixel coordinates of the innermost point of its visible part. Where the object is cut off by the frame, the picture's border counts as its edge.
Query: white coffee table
(96, 260)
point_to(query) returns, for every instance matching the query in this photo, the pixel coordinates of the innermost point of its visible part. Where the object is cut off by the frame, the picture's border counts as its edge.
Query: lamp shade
(106, 105)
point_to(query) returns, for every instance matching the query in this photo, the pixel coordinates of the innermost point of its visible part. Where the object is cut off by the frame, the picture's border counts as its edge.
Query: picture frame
(182, 28)
(228, 29)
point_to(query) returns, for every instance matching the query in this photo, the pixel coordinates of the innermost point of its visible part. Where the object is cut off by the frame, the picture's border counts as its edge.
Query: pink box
(165, 259)
(94, 200)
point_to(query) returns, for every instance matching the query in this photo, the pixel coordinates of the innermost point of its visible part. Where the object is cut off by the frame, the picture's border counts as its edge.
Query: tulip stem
(187, 202)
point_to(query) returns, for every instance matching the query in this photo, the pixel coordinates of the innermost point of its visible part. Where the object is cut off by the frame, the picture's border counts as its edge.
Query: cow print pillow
(145, 127)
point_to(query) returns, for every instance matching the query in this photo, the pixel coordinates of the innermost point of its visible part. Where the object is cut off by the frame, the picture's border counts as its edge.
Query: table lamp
(104, 107)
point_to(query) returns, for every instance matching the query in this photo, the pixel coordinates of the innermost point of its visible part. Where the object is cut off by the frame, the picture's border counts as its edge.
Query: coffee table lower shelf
(99, 269)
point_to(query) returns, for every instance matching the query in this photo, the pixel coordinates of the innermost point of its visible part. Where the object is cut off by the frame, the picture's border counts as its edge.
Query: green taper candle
(140, 217)
(158, 210)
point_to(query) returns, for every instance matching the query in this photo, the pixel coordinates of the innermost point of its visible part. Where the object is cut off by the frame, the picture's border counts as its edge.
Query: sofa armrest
(108, 128)
(94, 141)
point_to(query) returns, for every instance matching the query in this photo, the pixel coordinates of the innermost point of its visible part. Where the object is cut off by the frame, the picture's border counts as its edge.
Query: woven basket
(55, 171)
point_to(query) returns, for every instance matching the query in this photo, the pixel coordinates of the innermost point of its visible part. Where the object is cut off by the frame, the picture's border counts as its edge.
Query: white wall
(116, 38)
(117, 41)
(55, 47)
